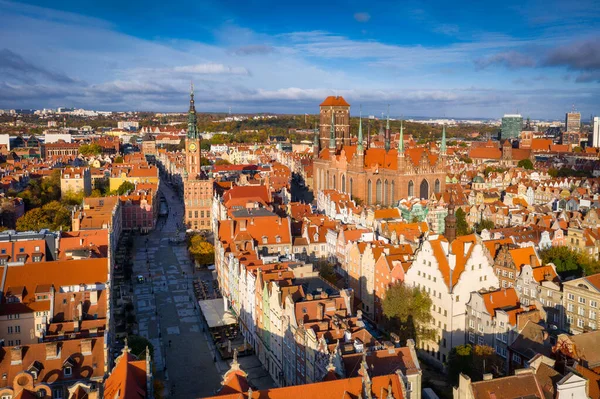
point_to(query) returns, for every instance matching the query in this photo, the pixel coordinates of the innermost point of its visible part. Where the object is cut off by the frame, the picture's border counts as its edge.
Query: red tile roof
(335, 101)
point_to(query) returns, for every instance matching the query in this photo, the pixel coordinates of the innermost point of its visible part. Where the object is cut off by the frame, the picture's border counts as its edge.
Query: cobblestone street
(166, 312)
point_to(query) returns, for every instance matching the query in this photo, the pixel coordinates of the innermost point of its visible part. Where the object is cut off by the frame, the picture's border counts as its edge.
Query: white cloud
(362, 16)
(212, 69)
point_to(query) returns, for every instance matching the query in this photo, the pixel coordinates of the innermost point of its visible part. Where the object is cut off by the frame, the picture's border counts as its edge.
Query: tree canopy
(326, 271)
(90, 149)
(52, 216)
(462, 227)
(125, 187)
(485, 224)
(408, 312)
(201, 250)
(41, 191)
(222, 162)
(525, 163)
(137, 345)
(569, 262)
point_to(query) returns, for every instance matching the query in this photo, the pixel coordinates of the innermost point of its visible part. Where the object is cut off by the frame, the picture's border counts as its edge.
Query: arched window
(351, 187)
(437, 186)
(369, 192)
(386, 193)
(378, 192)
(411, 188)
(334, 185)
(424, 190)
(393, 193)
(327, 181)
(343, 183)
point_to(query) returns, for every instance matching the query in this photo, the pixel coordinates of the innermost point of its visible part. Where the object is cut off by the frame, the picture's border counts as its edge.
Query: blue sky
(430, 58)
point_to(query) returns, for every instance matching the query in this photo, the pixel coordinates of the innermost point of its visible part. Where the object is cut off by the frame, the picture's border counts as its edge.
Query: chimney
(488, 376)
(93, 297)
(16, 355)
(321, 311)
(243, 225)
(359, 314)
(533, 260)
(86, 347)
(51, 350)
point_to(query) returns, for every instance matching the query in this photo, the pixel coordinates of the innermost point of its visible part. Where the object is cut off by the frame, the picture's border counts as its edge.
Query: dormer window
(264, 239)
(68, 371)
(66, 176)
(277, 239)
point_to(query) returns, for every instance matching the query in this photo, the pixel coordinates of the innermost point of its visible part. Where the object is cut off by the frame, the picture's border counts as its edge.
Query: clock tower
(197, 186)
(192, 142)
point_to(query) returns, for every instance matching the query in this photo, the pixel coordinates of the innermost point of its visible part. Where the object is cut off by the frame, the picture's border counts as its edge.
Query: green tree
(201, 250)
(58, 215)
(326, 271)
(90, 149)
(408, 312)
(204, 161)
(72, 197)
(460, 360)
(462, 227)
(525, 163)
(485, 224)
(222, 162)
(118, 159)
(138, 344)
(52, 216)
(125, 187)
(569, 262)
(33, 220)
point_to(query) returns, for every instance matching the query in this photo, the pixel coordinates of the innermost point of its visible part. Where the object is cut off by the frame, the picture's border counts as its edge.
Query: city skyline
(425, 59)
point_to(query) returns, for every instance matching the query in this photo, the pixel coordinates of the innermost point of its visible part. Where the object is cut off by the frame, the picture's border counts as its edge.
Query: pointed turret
(332, 133)
(443, 146)
(387, 130)
(316, 148)
(192, 132)
(359, 146)
(401, 141)
(366, 378)
(450, 221)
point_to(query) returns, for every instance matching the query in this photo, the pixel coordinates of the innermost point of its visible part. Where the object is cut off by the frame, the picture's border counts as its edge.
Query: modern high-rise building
(197, 187)
(511, 126)
(596, 131)
(573, 122)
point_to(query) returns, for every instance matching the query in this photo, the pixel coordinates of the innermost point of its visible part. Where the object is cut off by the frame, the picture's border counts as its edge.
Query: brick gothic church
(197, 187)
(374, 175)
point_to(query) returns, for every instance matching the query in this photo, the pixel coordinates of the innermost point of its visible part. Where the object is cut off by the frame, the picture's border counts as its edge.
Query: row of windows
(195, 213)
(581, 322)
(582, 300)
(15, 329)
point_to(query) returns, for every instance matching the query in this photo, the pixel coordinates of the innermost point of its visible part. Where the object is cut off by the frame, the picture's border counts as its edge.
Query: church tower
(450, 228)
(192, 142)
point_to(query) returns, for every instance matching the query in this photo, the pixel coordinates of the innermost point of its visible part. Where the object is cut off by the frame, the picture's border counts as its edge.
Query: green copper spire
(360, 135)
(192, 132)
(387, 125)
(401, 141)
(332, 132)
(387, 131)
(443, 146)
(316, 141)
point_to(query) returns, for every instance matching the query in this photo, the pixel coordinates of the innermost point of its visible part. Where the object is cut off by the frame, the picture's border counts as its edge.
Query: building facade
(75, 180)
(511, 126)
(373, 175)
(573, 122)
